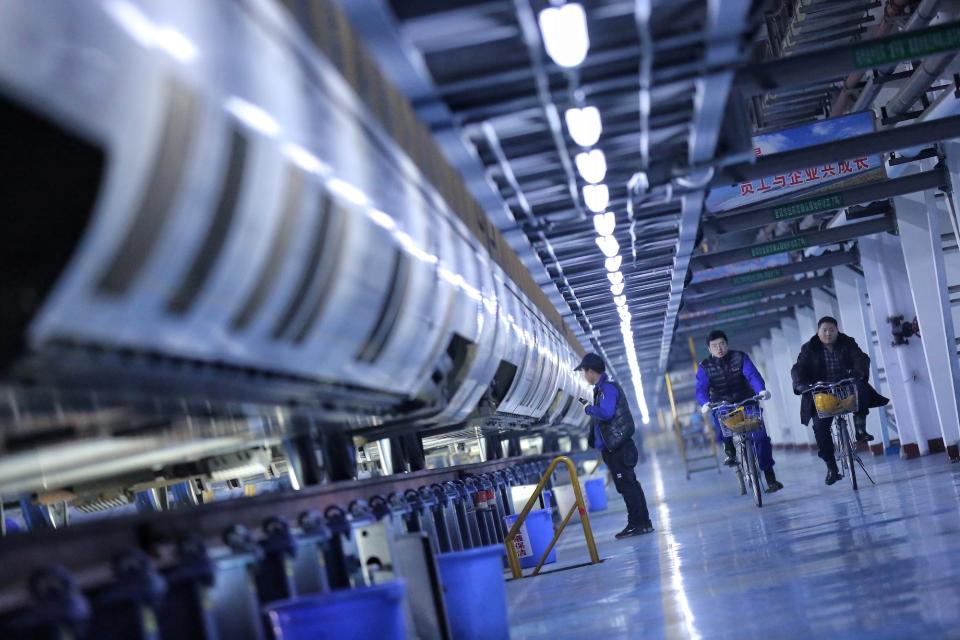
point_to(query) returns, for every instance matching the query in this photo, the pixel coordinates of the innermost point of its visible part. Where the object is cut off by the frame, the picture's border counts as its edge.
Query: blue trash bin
(375, 612)
(538, 528)
(475, 593)
(596, 494)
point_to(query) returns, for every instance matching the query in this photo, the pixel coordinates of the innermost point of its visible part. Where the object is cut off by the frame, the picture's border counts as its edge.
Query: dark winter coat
(811, 367)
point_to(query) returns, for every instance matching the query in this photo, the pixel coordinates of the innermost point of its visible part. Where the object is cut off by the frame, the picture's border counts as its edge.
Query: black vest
(727, 382)
(620, 427)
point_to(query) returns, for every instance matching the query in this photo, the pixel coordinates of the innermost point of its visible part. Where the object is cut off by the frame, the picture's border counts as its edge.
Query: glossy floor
(814, 562)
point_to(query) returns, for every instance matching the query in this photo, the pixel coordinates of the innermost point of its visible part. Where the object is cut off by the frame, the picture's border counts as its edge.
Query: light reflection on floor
(815, 561)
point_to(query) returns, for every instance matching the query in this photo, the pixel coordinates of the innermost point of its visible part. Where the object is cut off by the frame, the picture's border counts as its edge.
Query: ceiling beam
(749, 278)
(786, 244)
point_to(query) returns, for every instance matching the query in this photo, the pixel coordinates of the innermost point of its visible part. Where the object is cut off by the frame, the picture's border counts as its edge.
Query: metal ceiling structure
(681, 86)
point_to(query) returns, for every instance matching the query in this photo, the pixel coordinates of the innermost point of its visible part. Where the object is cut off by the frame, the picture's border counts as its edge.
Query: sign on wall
(808, 181)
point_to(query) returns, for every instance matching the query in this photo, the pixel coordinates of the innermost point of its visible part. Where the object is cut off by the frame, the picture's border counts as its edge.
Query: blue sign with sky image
(808, 181)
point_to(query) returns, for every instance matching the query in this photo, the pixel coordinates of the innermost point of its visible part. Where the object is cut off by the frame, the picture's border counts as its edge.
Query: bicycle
(836, 400)
(738, 421)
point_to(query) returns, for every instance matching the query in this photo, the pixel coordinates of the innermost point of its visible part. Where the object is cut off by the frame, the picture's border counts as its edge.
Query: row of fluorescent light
(566, 40)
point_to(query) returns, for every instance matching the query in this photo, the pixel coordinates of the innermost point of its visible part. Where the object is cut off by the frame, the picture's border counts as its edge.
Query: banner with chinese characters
(809, 181)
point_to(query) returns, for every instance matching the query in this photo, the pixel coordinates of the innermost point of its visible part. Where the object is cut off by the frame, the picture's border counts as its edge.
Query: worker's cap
(593, 362)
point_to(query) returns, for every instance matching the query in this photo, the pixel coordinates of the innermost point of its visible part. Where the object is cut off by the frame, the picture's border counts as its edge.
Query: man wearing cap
(612, 433)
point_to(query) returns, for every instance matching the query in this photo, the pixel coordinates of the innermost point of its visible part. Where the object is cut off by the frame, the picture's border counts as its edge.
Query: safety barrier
(580, 505)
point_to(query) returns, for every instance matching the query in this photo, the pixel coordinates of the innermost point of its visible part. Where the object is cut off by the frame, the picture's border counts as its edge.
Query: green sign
(806, 207)
(779, 246)
(734, 313)
(756, 276)
(907, 46)
(743, 297)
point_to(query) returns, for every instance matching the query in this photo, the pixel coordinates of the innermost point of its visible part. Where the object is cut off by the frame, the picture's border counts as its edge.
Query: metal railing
(579, 504)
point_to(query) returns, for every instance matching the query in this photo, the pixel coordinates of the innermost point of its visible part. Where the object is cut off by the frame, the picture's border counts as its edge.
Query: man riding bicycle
(831, 356)
(730, 376)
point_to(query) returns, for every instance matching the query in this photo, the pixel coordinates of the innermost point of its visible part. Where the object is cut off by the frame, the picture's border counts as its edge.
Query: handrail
(579, 503)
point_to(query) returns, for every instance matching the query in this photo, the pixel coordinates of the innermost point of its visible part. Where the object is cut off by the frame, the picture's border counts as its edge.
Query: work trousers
(821, 426)
(621, 462)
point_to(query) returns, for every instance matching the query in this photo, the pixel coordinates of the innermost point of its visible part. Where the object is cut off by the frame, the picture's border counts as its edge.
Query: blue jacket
(605, 396)
(753, 377)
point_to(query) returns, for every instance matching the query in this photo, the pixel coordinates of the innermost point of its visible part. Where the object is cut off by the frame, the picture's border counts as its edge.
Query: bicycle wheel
(741, 476)
(753, 474)
(848, 453)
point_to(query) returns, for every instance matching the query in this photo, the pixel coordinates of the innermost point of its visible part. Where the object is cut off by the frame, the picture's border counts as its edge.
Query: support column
(806, 324)
(885, 274)
(777, 402)
(773, 417)
(790, 415)
(920, 218)
(806, 318)
(855, 322)
(790, 349)
(824, 304)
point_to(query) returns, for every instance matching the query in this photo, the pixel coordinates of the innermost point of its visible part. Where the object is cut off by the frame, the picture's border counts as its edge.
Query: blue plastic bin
(475, 593)
(539, 530)
(375, 612)
(596, 494)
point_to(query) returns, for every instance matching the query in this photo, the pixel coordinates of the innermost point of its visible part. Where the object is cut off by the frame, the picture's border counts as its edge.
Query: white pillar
(824, 304)
(791, 410)
(771, 409)
(793, 340)
(885, 274)
(807, 324)
(855, 322)
(777, 403)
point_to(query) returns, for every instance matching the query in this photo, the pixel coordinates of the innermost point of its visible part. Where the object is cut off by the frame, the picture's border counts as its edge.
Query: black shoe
(833, 476)
(773, 485)
(731, 461)
(860, 427)
(635, 530)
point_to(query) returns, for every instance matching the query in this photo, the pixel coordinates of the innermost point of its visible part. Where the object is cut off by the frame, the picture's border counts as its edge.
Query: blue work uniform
(734, 378)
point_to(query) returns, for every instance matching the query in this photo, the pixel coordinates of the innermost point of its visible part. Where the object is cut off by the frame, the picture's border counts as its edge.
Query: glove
(705, 408)
(798, 388)
(765, 394)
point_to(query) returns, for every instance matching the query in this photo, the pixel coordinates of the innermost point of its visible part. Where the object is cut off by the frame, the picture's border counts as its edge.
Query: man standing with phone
(612, 433)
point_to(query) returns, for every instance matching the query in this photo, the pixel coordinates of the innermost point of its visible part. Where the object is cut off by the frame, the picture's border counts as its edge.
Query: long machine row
(234, 225)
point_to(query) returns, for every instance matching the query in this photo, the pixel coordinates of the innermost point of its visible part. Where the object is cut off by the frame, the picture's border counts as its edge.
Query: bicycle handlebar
(723, 404)
(820, 386)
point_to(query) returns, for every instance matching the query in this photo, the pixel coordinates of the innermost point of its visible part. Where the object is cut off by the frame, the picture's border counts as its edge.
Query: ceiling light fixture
(592, 165)
(605, 223)
(616, 289)
(615, 278)
(597, 197)
(608, 245)
(565, 35)
(584, 125)
(613, 264)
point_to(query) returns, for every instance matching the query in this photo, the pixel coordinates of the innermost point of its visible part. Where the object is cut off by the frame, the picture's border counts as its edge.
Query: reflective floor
(814, 562)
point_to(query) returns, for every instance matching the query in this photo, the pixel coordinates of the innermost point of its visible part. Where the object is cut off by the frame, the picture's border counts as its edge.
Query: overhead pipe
(923, 16)
(893, 9)
(919, 82)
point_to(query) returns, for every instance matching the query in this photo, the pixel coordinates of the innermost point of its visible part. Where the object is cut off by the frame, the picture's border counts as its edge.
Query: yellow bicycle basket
(734, 419)
(829, 403)
(739, 420)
